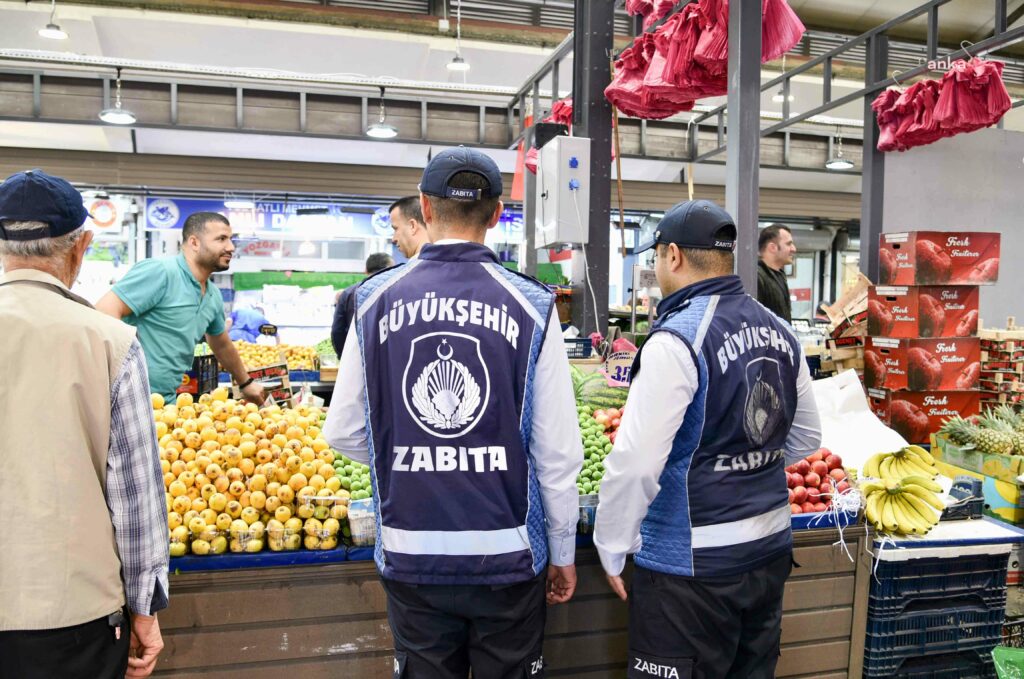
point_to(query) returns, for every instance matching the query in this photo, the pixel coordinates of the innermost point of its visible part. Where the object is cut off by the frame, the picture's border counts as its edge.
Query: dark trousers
(86, 651)
(706, 628)
(443, 631)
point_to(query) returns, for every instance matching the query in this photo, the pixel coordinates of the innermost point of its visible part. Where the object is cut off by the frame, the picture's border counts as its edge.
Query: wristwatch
(245, 384)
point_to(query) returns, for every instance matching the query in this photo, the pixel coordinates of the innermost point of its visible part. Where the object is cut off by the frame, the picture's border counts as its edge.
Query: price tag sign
(646, 278)
(618, 368)
(268, 329)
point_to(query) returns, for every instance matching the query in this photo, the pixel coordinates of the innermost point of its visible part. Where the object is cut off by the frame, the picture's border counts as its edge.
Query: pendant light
(780, 96)
(837, 161)
(458, 63)
(118, 115)
(380, 129)
(52, 30)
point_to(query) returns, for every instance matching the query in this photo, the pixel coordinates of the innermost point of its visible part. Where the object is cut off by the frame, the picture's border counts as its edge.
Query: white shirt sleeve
(556, 445)
(345, 427)
(805, 434)
(657, 402)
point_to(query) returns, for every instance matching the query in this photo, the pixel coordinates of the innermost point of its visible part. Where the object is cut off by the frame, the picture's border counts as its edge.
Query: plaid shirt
(135, 488)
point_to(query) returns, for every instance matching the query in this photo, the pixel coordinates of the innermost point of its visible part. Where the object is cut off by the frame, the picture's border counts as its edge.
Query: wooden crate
(316, 622)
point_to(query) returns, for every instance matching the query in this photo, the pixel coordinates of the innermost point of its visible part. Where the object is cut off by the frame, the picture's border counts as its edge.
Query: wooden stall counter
(329, 620)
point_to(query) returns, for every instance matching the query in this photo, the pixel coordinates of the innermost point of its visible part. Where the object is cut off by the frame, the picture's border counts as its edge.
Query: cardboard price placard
(618, 368)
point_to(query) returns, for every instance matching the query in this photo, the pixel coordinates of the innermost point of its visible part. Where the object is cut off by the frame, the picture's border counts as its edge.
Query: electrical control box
(563, 192)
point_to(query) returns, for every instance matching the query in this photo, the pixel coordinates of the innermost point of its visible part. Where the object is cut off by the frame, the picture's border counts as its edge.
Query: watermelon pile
(591, 389)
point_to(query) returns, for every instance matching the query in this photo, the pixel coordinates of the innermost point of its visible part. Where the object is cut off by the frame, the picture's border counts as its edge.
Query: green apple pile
(596, 447)
(355, 476)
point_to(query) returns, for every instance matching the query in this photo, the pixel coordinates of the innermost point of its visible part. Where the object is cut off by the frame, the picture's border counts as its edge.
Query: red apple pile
(811, 480)
(610, 418)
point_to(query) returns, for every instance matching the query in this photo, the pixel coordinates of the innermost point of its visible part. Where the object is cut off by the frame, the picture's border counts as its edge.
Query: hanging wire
(458, 27)
(383, 114)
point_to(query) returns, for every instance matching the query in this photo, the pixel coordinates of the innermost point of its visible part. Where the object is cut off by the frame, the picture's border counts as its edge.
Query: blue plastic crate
(899, 586)
(969, 664)
(946, 630)
(579, 348)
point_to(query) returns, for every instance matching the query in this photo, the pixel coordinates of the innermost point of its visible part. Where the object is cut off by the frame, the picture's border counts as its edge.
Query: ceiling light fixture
(52, 30)
(118, 115)
(380, 129)
(780, 96)
(837, 161)
(239, 204)
(458, 63)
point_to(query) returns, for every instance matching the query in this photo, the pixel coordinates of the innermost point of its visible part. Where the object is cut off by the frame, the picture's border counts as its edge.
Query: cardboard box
(1002, 467)
(922, 364)
(923, 311)
(1003, 499)
(915, 415)
(938, 258)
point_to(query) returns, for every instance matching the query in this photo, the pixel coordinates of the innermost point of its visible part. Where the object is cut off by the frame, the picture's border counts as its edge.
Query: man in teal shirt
(174, 305)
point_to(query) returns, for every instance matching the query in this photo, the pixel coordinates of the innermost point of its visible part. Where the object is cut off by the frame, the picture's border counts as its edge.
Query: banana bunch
(909, 461)
(907, 506)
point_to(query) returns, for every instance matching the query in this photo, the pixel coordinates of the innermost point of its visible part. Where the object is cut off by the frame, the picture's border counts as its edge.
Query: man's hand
(618, 585)
(561, 584)
(144, 647)
(255, 393)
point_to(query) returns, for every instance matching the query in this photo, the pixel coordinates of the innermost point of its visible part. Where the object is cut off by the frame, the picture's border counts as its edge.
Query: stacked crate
(847, 330)
(1002, 366)
(922, 356)
(936, 607)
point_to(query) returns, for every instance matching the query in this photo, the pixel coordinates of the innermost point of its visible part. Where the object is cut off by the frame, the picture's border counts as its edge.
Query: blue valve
(574, 162)
(574, 184)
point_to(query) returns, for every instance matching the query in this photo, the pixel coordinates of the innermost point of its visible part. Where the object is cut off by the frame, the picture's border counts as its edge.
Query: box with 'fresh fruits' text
(947, 364)
(938, 258)
(914, 415)
(923, 311)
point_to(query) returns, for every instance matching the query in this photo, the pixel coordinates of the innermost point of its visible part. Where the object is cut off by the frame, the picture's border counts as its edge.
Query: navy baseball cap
(697, 224)
(36, 196)
(448, 163)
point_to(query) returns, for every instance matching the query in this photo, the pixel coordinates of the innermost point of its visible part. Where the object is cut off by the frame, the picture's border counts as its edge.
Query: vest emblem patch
(446, 385)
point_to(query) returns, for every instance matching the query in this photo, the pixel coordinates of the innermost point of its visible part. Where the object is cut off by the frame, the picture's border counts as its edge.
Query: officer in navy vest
(695, 487)
(454, 387)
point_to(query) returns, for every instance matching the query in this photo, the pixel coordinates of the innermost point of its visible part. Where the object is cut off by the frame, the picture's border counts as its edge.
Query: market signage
(304, 219)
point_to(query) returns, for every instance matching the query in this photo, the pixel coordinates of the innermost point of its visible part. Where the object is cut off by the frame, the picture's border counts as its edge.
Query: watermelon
(591, 389)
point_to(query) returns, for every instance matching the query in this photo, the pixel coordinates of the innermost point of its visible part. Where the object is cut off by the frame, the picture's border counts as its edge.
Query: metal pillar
(744, 146)
(592, 117)
(873, 173)
(528, 256)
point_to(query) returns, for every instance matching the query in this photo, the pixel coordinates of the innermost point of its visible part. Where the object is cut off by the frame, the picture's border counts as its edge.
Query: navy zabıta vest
(449, 344)
(723, 507)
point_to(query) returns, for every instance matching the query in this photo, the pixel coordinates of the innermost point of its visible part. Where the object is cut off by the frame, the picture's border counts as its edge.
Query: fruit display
(910, 506)
(996, 432)
(238, 478)
(355, 476)
(813, 480)
(259, 355)
(324, 348)
(900, 495)
(596, 447)
(909, 461)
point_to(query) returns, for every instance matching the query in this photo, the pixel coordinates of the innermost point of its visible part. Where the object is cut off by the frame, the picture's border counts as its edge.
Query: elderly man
(85, 571)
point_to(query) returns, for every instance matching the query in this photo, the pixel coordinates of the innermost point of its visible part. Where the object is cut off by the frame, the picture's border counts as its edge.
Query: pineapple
(1007, 413)
(993, 424)
(960, 431)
